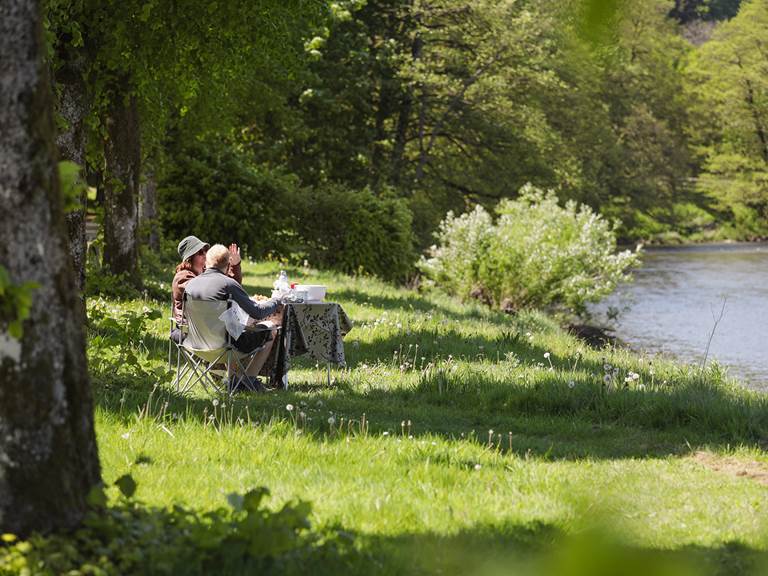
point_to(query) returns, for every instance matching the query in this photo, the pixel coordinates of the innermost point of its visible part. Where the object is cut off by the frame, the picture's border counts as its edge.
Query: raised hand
(234, 254)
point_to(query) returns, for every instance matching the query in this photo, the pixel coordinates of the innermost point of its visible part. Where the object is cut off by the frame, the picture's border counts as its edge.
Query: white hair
(217, 257)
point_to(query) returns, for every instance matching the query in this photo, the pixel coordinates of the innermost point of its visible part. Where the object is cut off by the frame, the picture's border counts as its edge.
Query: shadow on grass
(565, 414)
(178, 540)
(440, 343)
(415, 303)
(546, 421)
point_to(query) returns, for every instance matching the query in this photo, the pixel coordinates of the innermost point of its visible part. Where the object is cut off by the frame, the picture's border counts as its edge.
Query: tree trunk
(73, 107)
(122, 155)
(148, 210)
(404, 118)
(48, 457)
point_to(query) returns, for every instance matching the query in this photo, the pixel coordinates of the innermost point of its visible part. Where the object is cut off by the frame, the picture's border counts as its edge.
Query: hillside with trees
(652, 113)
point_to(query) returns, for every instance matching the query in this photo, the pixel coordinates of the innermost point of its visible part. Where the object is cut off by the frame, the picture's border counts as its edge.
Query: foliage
(117, 341)
(130, 538)
(213, 191)
(538, 254)
(357, 232)
(72, 185)
(691, 10)
(15, 303)
(101, 282)
(218, 194)
(439, 98)
(728, 81)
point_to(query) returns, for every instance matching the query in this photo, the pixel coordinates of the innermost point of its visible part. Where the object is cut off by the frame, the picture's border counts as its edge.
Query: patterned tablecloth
(316, 330)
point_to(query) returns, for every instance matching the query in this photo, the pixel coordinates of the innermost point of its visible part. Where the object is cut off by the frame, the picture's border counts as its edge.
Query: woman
(192, 251)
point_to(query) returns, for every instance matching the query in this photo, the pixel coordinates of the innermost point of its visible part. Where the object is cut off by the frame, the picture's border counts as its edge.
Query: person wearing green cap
(192, 251)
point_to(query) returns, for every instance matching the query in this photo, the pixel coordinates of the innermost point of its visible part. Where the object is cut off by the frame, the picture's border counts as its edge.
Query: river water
(677, 295)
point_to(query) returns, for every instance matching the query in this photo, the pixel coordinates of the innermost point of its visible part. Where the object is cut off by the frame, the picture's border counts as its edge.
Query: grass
(408, 464)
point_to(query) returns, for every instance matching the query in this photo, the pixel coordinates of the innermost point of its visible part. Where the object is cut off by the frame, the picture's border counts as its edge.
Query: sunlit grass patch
(449, 421)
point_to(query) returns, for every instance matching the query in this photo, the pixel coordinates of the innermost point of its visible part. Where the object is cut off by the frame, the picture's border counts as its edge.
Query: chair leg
(178, 366)
(230, 384)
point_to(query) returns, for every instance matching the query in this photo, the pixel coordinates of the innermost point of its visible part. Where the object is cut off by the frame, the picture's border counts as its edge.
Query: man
(215, 285)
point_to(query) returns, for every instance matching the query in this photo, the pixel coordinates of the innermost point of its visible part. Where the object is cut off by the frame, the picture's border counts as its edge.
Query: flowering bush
(455, 264)
(537, 254)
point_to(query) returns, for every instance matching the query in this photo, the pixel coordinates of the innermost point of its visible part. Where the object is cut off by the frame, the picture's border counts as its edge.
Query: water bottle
(281, 284)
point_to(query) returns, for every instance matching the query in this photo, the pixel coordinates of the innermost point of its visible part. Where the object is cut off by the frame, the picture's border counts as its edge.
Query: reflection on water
(678, 293)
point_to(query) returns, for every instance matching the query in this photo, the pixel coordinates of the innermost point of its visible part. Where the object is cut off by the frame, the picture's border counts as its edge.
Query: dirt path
(733, 466)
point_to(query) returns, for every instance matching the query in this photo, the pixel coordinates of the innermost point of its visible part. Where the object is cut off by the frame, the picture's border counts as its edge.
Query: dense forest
(342, 133)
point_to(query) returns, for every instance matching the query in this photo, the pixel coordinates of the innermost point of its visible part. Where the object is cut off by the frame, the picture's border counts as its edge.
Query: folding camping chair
(207, 355)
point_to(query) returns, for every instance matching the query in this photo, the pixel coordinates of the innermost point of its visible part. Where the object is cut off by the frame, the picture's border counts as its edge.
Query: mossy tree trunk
(72, 105)
(122, 155)
(48, 456)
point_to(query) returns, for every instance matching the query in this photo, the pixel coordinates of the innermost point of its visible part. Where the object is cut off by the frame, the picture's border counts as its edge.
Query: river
(677, 295)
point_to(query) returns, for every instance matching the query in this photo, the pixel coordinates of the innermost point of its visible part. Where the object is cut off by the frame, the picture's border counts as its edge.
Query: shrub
(537, 254)
(357, 231)
(216, 193)
(128, 538)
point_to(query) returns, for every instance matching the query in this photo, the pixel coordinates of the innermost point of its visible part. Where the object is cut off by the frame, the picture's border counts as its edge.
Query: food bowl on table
(315, 292)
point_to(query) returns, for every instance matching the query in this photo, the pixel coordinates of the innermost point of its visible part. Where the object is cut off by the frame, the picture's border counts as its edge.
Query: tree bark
(148, 210)
(48, 456)
(122, 155)
(72, 105)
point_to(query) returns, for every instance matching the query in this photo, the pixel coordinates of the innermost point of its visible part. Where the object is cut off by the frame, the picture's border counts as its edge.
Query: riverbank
(678, 294)
(458, 440)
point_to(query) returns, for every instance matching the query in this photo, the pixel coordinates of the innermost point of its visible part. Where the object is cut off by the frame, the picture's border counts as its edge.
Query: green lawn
(423, 485)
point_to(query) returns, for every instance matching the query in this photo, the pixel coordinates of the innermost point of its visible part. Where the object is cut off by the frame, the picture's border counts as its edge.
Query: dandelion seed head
(477, 467)
(289, 407)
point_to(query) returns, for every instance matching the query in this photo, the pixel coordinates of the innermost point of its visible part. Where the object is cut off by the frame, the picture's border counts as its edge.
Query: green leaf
(97, 498)
(146, 11)
(126, 485)
(72, 184)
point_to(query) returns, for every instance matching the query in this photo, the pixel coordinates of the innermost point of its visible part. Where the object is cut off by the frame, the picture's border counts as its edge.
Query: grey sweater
(215, 285)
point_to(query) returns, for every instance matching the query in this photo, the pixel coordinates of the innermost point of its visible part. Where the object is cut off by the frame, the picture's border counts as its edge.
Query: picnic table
(316, 330)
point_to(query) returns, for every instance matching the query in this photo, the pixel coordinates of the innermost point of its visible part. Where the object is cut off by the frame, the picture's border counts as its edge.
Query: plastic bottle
(281, 284)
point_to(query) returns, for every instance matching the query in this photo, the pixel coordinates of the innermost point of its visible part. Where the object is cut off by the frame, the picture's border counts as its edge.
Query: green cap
(190, 246)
